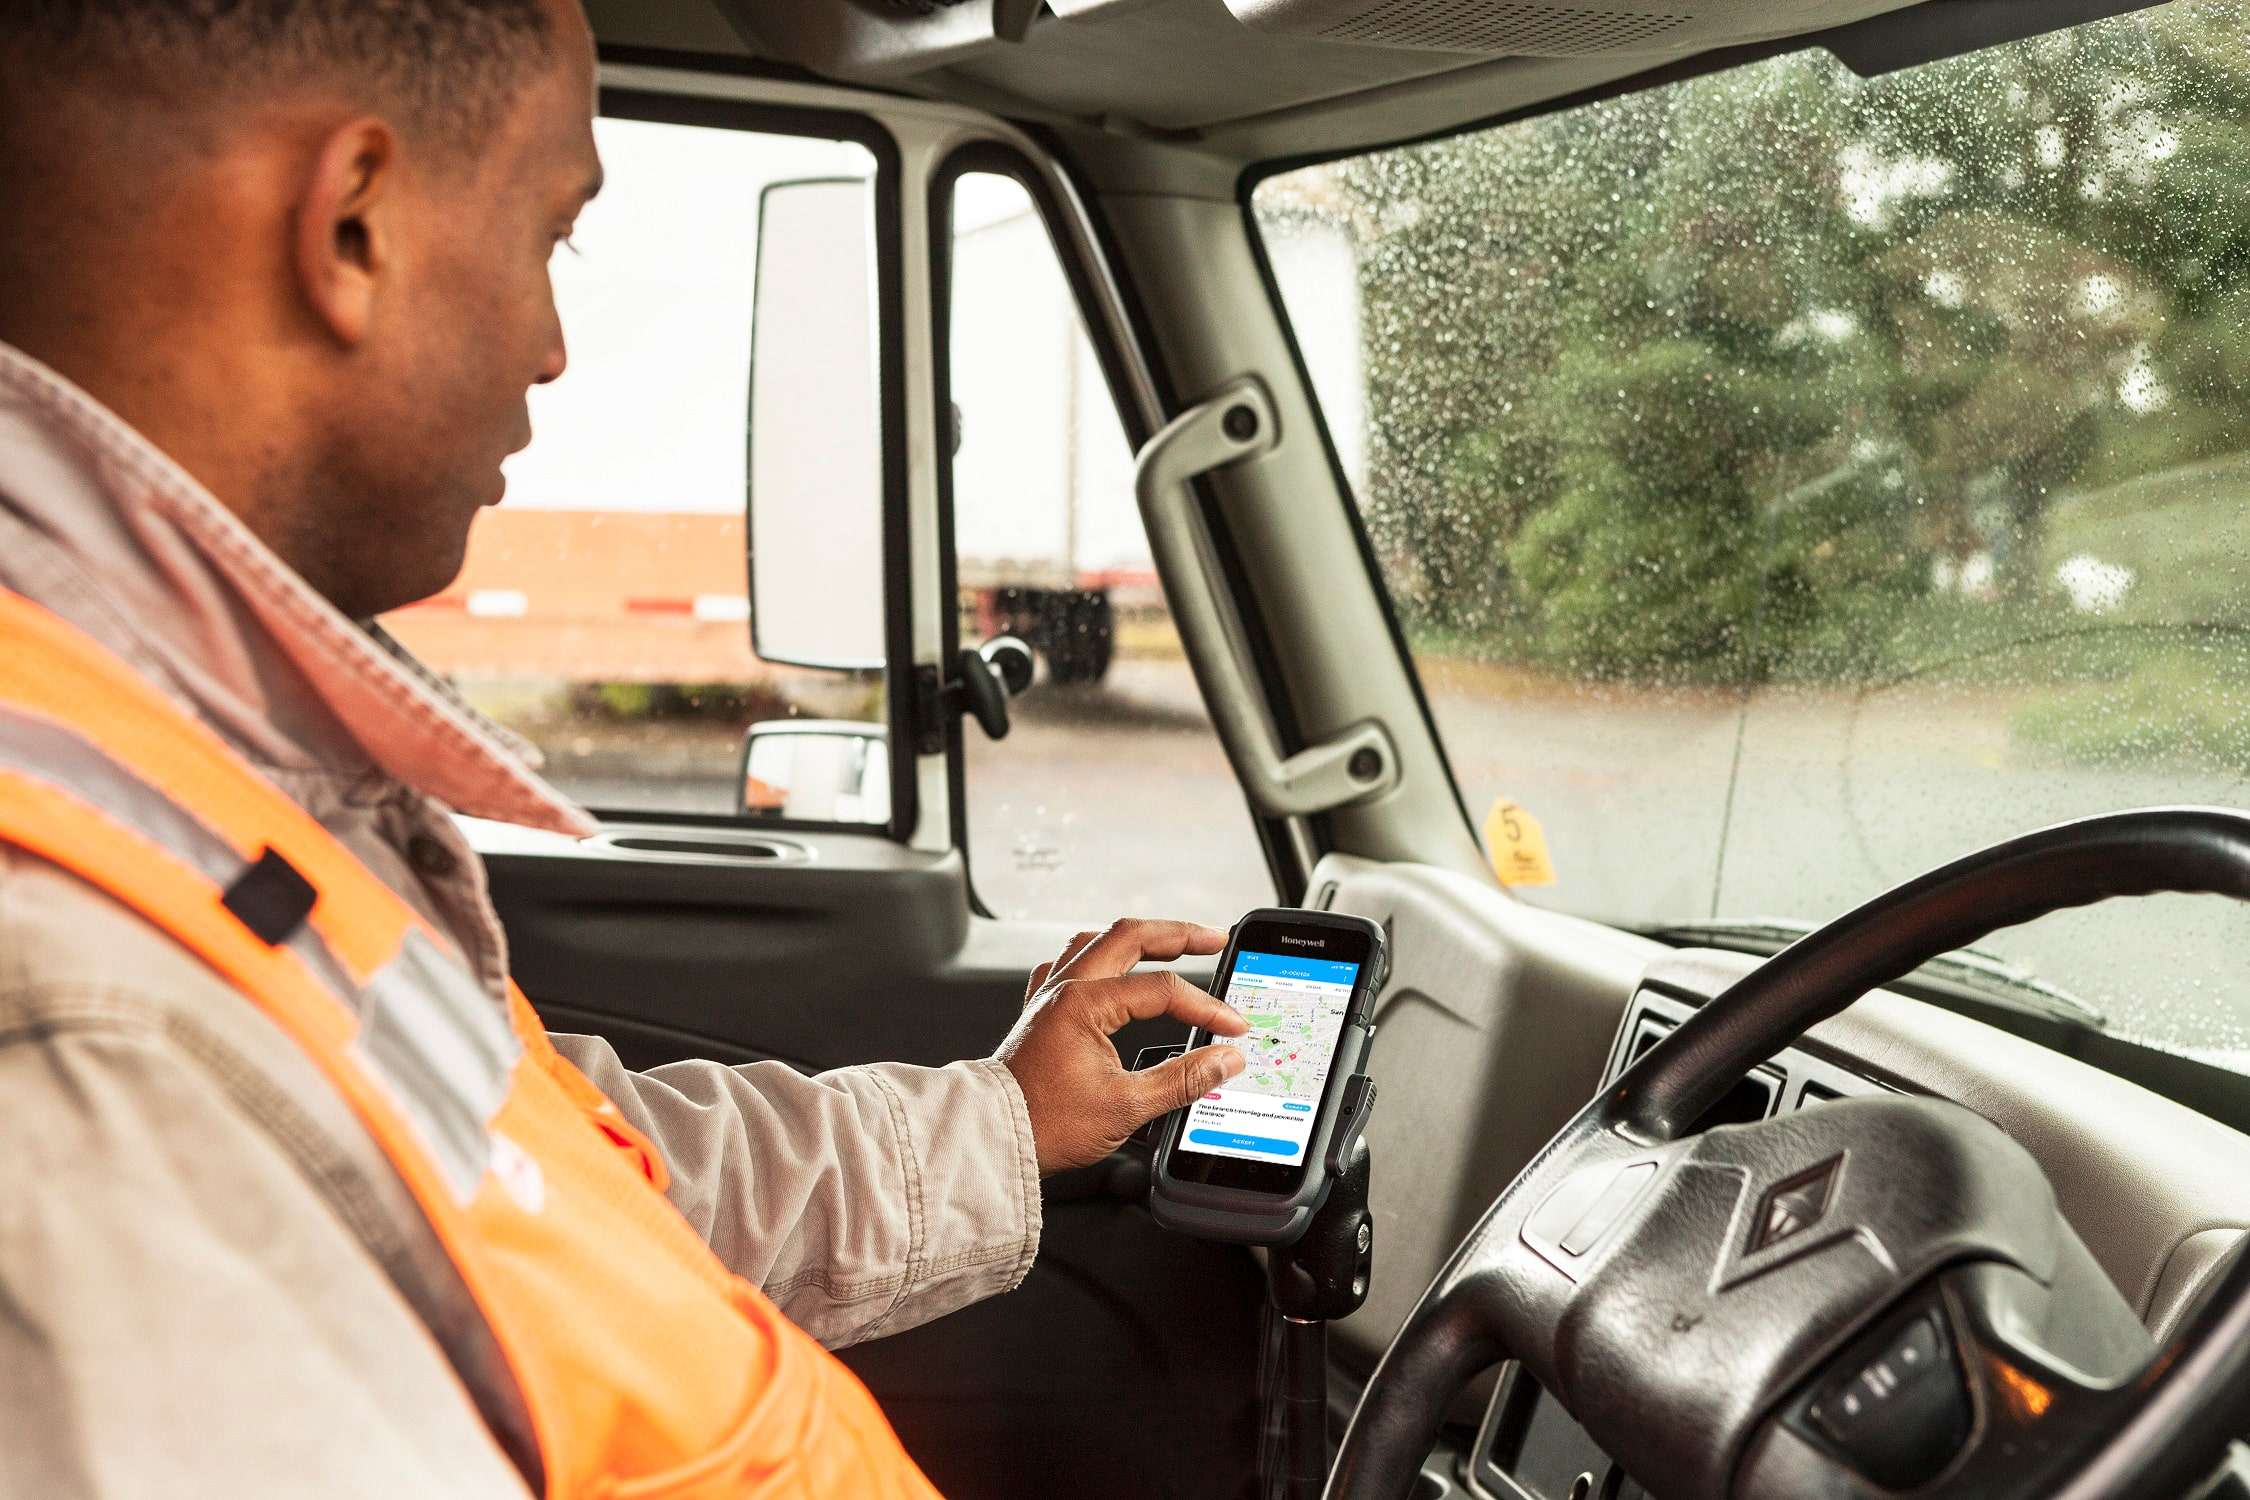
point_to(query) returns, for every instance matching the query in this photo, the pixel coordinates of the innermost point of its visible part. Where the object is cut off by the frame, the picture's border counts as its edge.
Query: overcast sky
(656, 309)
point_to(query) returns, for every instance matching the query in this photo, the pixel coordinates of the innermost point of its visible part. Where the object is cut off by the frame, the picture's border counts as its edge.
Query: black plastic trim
(869, 133)
(939, 217)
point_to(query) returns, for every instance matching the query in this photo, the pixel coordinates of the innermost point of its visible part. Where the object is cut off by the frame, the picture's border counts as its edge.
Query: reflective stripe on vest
(646, 1368)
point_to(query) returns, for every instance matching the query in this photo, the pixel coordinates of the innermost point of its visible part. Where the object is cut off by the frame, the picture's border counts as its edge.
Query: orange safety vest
(645, 1368)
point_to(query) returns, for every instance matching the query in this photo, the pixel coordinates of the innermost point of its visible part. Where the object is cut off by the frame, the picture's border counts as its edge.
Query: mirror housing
(815, 771)
(815, 491)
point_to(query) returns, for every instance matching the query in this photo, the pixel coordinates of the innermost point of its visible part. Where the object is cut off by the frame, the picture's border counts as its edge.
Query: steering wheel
(1866, 1297)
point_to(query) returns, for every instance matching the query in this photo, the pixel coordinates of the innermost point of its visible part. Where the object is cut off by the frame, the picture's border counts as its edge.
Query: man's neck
(204, 407)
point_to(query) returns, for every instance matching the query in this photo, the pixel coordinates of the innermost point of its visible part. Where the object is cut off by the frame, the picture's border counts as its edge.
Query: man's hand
(1082, 1102)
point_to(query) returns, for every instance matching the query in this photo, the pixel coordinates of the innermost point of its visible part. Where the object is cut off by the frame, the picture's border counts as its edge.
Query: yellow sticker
(1518, 845)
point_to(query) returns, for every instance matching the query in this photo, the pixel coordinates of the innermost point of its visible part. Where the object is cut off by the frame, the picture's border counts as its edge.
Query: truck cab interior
(1714, 522)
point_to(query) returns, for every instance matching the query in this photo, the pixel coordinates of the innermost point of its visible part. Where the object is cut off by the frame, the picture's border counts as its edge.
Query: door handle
(1233, 426)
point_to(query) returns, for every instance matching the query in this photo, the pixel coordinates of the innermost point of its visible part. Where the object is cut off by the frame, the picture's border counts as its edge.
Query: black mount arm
(1313, 1280)
(1321, 1277)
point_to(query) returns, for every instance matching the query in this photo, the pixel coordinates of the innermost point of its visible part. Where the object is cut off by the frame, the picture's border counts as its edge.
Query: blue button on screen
(1293, 1104)
(1232, 1142)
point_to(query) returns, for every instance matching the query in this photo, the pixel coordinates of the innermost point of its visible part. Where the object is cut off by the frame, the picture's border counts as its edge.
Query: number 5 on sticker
(1518, 846)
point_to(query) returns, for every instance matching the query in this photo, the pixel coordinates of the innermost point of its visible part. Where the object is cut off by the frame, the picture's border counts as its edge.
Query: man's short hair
(445, 66)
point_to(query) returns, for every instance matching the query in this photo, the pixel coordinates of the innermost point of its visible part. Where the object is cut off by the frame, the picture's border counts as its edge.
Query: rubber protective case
(1239, 1215)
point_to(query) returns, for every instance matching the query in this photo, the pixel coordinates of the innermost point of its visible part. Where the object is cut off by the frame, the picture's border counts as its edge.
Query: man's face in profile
(425, 411)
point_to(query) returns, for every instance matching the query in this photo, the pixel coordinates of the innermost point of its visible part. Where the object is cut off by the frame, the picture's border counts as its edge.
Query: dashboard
(1501, 1019)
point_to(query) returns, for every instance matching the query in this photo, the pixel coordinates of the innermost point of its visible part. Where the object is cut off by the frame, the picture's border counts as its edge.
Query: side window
(603, 610)
(1110, 795)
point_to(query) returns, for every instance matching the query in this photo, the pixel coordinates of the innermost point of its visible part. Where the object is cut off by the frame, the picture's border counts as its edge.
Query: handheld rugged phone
(1251, 1161)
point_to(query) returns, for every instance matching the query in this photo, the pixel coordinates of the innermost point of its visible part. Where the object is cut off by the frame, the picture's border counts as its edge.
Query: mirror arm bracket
(930, 714)
(1237, 424)
(986, 677)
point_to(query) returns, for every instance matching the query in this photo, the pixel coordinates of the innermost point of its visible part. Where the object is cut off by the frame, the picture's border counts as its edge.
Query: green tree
(1700, 382)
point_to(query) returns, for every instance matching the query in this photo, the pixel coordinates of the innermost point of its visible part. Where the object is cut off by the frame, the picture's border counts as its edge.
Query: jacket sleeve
(864, 1201)
(181, 1314)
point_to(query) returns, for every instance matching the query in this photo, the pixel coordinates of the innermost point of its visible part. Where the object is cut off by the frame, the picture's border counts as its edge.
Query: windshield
(1789, 481)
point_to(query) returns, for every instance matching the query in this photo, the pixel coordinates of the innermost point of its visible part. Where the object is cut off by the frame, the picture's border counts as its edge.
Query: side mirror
(815, 496)
(816, 771)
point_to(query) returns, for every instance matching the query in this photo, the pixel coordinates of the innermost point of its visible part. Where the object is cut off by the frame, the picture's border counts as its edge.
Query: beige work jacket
(211, 1281)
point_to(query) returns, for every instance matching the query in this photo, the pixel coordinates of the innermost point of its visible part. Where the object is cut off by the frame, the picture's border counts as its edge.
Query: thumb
(1185, 1079)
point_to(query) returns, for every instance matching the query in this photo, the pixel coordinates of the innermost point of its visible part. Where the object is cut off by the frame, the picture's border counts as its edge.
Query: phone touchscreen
(1295, 1008)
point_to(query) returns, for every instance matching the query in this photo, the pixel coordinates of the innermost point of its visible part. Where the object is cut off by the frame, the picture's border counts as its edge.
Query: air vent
(1746, 1103)
(1506, 28)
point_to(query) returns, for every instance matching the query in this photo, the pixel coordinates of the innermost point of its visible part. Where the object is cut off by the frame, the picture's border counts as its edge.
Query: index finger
(1160, 992)
(1126, 943)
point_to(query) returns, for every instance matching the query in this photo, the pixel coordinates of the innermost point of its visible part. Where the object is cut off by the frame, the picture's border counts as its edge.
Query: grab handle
(1354, 765)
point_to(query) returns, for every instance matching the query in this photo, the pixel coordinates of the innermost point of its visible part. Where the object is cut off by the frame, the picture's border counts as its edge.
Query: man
(297, 1198)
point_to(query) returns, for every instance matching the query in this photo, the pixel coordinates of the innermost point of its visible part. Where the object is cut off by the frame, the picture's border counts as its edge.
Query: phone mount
(1323, 1276)
(1237, 1216)
(1320, 1273)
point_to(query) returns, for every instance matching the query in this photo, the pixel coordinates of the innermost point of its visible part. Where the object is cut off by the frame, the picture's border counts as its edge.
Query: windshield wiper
(1983, 974)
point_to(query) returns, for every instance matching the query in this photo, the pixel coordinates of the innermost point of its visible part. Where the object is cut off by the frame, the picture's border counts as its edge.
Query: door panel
(864, 951)
(844, 956)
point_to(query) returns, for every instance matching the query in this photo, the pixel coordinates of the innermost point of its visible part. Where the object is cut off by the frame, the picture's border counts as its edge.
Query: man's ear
(345, 221)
